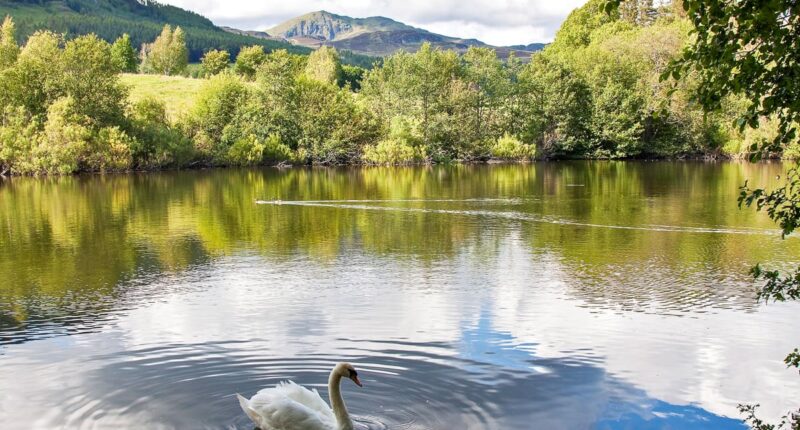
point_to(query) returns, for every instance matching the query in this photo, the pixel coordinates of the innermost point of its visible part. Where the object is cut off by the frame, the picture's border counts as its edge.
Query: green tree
(352, 76)
(215, 62)
(168, 54)
(557, 107)
(489, 81)
(123, 55)
(325, 66)
(8, 43)
(249, 60)
(34, 80)
(89, 76)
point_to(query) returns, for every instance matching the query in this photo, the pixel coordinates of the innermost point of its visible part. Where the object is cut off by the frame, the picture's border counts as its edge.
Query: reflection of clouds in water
(488, 384)
(709, 364)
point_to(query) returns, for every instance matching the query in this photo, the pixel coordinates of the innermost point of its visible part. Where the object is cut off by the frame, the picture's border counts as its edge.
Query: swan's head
(346, 370)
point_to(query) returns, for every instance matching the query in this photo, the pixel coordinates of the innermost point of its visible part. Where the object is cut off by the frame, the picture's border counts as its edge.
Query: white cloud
(498, 22)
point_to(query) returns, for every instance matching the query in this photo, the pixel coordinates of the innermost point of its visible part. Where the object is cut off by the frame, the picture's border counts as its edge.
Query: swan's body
(289, 406)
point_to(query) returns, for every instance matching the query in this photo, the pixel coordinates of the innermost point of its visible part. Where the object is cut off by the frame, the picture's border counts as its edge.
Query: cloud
(498, 22)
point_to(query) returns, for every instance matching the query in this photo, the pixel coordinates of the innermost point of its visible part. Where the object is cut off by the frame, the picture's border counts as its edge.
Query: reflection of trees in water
(81, 237)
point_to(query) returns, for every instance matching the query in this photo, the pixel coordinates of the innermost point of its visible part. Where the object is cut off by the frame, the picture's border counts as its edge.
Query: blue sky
(498, 22)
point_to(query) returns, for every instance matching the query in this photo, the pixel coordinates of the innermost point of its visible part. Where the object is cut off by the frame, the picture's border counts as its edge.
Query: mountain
(141, 19)
(375, 36)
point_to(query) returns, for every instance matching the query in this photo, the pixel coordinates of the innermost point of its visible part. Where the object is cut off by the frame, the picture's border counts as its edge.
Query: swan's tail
(245, 404)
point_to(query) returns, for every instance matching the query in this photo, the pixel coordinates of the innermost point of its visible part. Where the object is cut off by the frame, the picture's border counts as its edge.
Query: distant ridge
(375, 36)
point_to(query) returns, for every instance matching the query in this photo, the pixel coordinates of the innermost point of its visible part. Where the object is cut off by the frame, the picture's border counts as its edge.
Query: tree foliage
(8, 43)
(168, 54)
(325, 66)
(63, 110)
(249, 60)
(215, 62)
(123, 55)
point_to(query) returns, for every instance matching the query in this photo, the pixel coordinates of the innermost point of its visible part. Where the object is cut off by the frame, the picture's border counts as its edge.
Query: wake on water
(510, 215)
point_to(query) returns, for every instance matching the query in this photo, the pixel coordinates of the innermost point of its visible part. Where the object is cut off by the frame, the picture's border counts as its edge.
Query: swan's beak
(356, 380)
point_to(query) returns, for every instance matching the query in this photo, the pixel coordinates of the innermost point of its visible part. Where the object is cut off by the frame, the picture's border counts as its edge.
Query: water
(585, 295)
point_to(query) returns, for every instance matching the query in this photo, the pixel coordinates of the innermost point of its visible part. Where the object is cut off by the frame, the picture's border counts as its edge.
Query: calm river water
(580, 295)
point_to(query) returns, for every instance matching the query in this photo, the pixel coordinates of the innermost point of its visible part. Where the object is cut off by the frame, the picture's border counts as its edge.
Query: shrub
(248, 61)
(250, 150)
(510, 148)
(18, 134)
(215, 62)
(158, 143)
(392, 151)
(91, 79)
(109, 150)
(64, 141)
(402, 146)
(216, 108)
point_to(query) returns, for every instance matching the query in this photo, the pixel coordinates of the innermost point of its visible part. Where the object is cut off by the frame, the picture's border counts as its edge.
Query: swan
(289, 406)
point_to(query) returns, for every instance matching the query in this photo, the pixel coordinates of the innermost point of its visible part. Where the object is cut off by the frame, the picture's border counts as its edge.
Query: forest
(596, 92)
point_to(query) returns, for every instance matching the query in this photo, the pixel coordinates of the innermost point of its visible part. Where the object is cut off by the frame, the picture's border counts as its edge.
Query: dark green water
(604, 295)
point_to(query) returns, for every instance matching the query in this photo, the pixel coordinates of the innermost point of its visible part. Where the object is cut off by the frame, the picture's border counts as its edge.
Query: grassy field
(177, 93)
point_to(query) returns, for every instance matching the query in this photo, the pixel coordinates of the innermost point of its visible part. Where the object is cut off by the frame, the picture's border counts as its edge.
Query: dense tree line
(595, 92)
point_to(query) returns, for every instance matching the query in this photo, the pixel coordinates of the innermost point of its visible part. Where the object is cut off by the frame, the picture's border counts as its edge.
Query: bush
(158, 143)
(18, 134)
(392, 151)
(91, 79)
(510, 148)
(402, 146)
(249, 60)
(64, 141)
(216, 108)
(110, 150)
(250, 151)
(215, 62)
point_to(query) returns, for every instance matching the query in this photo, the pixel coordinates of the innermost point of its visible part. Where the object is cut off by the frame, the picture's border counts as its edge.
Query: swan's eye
(353, 373)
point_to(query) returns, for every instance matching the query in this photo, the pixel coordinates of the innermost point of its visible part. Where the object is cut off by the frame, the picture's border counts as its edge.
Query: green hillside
(141, 19)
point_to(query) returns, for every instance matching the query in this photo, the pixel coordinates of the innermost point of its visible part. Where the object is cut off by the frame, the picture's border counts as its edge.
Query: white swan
(289, 406)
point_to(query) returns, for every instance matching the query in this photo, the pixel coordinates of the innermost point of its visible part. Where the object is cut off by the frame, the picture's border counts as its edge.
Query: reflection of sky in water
(601, 402)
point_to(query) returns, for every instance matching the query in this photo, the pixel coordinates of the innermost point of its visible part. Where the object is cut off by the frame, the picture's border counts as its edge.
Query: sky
(497, 22)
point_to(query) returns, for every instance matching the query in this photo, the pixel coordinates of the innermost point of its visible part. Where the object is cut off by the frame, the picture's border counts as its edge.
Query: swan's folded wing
(286, 408)
(309, 398)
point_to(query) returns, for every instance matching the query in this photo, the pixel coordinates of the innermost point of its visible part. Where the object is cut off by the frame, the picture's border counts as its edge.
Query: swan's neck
(337, 403)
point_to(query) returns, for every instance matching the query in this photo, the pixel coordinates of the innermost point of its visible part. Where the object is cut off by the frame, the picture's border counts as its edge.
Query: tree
(249, 60)
(352, 76)
(8, 43)
(123, 55)
(89, 77)
(324, 66)
(215, 62)
(489, 82)
(168, 54)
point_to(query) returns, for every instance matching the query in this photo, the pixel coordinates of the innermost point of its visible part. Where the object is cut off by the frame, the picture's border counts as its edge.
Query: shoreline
(491, 162)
